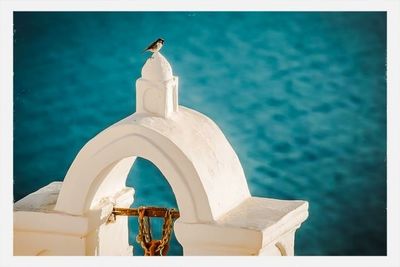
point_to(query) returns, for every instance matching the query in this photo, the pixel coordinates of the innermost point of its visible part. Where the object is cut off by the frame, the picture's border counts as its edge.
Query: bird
(155, 46)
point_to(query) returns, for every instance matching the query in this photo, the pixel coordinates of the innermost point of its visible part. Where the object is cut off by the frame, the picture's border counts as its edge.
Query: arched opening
(101, 168)
(151, 189)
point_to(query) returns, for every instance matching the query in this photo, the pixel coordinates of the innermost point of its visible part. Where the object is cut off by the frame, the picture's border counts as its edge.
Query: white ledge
(256, 226)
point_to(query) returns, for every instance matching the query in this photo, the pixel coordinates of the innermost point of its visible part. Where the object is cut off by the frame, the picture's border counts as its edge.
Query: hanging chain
(147, 229)
(140, 238)
(154, 247)
(166, 233)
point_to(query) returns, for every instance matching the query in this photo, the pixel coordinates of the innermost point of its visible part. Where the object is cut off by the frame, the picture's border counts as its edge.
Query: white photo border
(392, 7)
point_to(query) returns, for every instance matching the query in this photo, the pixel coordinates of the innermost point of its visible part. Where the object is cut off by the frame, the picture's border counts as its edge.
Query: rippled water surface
(300, 96)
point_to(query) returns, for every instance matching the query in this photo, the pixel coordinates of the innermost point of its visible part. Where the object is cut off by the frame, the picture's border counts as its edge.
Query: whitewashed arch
(190, 150)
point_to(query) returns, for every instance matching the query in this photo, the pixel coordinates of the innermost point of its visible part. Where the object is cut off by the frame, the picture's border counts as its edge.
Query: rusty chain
(144, 238)
(166, 233)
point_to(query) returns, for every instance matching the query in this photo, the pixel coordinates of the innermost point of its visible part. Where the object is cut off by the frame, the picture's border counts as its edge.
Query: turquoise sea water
(300, 96)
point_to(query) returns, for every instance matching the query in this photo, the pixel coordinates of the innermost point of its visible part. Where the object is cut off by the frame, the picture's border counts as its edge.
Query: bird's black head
(161, 40)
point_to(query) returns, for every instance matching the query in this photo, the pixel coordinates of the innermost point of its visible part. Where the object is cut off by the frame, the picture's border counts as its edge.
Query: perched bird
(155, 46)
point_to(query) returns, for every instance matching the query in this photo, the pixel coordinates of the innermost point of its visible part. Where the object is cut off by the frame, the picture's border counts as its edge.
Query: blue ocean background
(301, 96)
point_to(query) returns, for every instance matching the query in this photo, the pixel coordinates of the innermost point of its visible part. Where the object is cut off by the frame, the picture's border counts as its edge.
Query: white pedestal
(157, 90)
(39, 230)
(258, 226)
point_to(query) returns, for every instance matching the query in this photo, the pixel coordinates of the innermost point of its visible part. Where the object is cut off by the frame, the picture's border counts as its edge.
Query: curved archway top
(189, 149)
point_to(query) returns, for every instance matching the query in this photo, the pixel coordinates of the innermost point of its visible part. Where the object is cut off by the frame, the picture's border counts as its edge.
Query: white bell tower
(218, 215)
